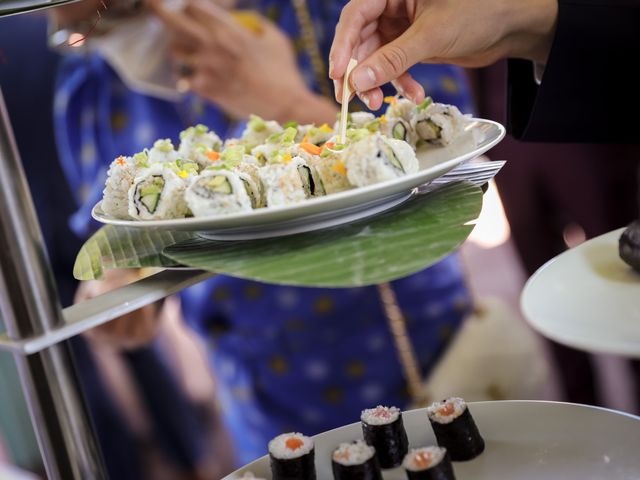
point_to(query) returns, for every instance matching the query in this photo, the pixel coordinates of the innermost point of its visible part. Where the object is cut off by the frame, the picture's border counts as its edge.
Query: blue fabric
(287, 358)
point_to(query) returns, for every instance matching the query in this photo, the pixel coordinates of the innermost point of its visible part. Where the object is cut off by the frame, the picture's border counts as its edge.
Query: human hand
(129, 331)
(239, 70)
(389, 36)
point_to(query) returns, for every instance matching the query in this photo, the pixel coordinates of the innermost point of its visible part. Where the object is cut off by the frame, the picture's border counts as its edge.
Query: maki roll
(314, 135)
(331, 173)
(437, 123)
(355, 461)
(258, 130)
(199, 145)
(400, 129)
(383, 429)
(292, 457)
(121, 175)
(428, 463)
(455, 429)
(291, 181)
(376, 158)
(162, 152)
(355, 120)
(629, 245)
(219, 192)
(157, 193)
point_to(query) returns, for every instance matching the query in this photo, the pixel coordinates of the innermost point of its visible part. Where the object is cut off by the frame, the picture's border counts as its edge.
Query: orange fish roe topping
(344, 455)
(447, 410)
(121, 161)
(293, 443)
(213, 155)
(311, 148)
(422, 459)
(340, 168)
(329, 145)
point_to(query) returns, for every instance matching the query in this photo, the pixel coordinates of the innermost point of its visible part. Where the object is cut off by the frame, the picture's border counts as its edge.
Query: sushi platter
(524, 440)
(296, 178)
(587, 298)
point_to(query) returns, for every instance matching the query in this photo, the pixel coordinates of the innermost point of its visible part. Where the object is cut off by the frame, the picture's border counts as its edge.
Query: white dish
(587, 298)
(480, 136)
(525, 440)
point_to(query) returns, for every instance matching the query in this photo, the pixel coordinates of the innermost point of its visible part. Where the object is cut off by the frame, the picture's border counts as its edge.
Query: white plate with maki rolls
(523, 440)
(284, 179)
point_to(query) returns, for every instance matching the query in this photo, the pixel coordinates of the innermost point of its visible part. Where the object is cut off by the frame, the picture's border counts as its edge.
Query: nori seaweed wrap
(455, 429)
(428, 463)
(383, 429)
(355, 461)
(292, 457)
(629, 245)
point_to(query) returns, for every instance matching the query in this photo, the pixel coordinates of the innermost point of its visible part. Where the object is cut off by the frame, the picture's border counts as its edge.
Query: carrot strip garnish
(213, 155)
(311, 148)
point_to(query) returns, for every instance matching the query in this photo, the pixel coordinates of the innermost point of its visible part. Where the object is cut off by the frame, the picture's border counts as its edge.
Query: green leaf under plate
(120, 247)
(392, 245)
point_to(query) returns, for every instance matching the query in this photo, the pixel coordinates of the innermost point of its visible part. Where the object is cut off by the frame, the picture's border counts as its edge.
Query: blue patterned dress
(285, 358)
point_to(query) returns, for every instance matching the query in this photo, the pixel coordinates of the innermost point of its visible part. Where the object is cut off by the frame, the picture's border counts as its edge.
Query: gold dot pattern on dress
(323, 305)
(355, 369)
(333, 395)
(221, 294)
(449, 84)
(118, 120)
(278, 365)
(295, 325)
(253, 291)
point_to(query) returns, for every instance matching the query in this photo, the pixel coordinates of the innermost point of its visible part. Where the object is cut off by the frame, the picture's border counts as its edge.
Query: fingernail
(366, 100)
(331, 66)
(363, 79)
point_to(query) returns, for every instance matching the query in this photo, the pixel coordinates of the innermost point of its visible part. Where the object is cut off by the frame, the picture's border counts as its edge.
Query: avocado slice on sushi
(219, 184)
(388, 153)
(428, 130)
(399, 131)
(150, 193)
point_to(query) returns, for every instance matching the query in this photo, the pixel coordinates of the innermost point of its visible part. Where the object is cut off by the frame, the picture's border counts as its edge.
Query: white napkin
(137, 49)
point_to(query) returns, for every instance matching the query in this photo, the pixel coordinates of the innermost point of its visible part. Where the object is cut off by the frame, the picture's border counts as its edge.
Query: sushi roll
(250, 166)
(376, 158)
(157, 193)
(428, 463)
(220, 192)
(355, 120)
(437, 123)
(399, 108)
(162, 152)
(331, 172)
(314, 135)
(628, 245)
(383, 429)
(355, 461)
(400, 129)
(292, 457)
(258, 130)
(291, 181)
(199, 145)
(121, 175)
(455, 429)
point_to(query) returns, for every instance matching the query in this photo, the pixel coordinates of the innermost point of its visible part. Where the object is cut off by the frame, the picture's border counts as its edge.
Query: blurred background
(174, 423)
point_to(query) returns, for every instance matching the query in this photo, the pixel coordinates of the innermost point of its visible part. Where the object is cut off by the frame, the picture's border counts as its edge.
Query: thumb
(389, 62)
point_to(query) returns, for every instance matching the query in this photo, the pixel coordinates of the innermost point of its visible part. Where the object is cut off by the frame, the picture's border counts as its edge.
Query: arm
(589, 91)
